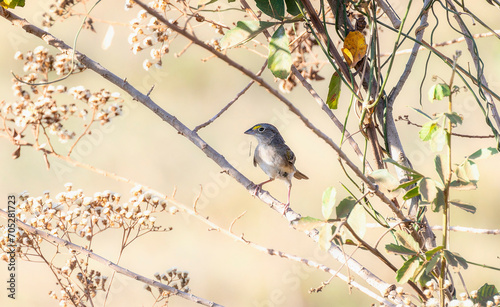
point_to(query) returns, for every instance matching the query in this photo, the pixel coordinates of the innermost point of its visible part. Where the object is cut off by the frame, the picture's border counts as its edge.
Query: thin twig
(243, 91)
(389, 12)
(475, 57)
(451, 228)
(234, 221)
(407, 120)
(442, 44)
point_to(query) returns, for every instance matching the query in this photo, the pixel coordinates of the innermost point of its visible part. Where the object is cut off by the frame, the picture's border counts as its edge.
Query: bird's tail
(299, 175)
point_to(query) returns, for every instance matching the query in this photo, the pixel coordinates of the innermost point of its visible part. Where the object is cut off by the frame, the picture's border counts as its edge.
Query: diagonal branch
(475, 57)
(227, 106)
(111, 265)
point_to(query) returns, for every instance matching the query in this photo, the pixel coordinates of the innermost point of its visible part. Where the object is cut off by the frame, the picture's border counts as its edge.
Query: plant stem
(446, 212)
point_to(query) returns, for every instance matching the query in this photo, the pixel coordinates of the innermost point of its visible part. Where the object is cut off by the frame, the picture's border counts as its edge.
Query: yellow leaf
(354, 48)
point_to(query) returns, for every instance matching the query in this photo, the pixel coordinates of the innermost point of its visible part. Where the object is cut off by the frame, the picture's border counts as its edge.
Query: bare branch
(243, 91)
(442, 44)
(475, 57)
(389, 12)
(469, 136)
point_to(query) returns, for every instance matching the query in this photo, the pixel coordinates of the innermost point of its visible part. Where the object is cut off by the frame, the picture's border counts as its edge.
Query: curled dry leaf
(354, 48)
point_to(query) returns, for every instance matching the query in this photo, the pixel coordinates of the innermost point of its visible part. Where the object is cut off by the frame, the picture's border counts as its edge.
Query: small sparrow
(274, 157)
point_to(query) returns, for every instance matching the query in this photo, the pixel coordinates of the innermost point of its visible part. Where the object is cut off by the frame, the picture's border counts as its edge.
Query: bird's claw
(258, 187)
(285, 209)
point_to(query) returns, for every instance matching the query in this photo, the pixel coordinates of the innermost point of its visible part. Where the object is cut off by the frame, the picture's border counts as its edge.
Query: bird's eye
(261, 129)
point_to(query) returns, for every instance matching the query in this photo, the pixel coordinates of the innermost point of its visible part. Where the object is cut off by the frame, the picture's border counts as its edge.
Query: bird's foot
(285, 209)
(258, 187)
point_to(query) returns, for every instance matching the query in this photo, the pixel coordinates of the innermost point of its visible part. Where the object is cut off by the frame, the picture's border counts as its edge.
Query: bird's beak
(249, 131)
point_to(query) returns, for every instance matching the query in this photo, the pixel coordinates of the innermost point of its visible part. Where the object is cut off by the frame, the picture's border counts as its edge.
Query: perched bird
(274, 157)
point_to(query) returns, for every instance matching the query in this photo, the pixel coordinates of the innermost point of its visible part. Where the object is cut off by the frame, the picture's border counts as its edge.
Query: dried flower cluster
(173, 278)
(149, 34)
(61, 10)
(73, 216)
(45, 109)
(463, 299)
(71, 294)
(304, 58)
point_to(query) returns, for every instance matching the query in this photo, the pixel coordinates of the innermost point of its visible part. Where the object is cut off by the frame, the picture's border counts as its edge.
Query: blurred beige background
(139, 146)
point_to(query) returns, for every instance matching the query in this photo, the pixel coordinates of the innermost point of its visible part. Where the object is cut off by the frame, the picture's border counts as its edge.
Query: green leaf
(424, 272)
(439, 167)
(332, 99)
(407, 270)
(357, 220)
(438, 202)
(463, 206)
(461, 260)
(485, 293)
(428, 190)
(438, 140)
(461, 173)
(12, 3)
(454, 118)
(429, 254)
(454, 260)
(428, 130)
(308, 223)
(292, 7)
(411, 193)
(328, 202)
(407, 241)
(280, 58)
(272, 8)
(422, 113)
(463, 186)
(471, 170)
(383, 178)
(325, 235)
(431, 264)
(409, 170)
(243, 32)
(345, 206)
(439, 91)
(450, 259)
(205, 2)
(406, 184)
(399, 250)
(483, 153)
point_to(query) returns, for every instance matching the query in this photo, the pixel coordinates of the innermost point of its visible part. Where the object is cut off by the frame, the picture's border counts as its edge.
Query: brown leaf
(354, 48)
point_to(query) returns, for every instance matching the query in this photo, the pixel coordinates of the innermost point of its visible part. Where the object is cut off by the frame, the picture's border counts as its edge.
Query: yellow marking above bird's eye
(256, 127)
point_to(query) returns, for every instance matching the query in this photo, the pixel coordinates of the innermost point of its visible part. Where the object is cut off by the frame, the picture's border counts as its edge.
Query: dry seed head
(467, 303)
(147, 41)
(146, 64)
(496, 299)
(173, 210)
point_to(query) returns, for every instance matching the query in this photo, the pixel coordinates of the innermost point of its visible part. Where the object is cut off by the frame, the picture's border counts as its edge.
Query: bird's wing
(290, 156)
